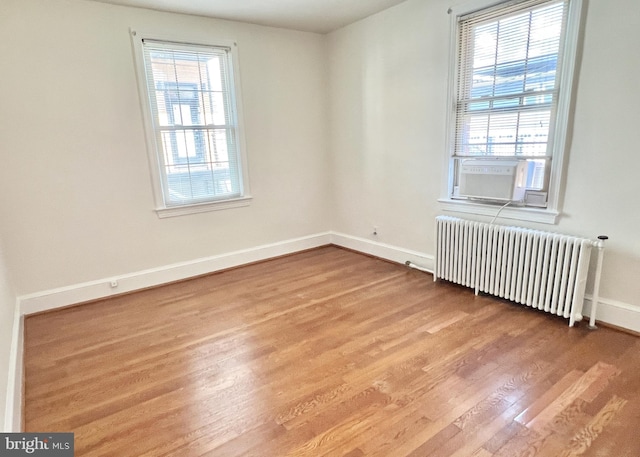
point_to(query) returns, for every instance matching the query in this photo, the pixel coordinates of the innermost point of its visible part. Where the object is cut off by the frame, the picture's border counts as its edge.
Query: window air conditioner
(496, 179)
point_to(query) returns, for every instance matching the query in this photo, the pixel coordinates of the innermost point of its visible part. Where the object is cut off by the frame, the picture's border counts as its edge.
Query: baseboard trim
(13, 405)
(624, 316)
(616, 313)
(94, 290)
(384, 251)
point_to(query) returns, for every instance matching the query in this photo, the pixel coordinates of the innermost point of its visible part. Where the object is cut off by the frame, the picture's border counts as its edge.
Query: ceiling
(320, 16)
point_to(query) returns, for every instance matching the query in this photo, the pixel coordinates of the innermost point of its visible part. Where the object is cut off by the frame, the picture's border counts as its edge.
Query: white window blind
(508, 83)
(193, 114)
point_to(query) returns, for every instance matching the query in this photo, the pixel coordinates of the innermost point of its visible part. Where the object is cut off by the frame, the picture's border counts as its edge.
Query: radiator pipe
(410, 264)
(596, 287)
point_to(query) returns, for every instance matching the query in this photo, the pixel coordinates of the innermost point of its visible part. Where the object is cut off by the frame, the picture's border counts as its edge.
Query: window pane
(513, 38)
(507, 87)
(200, 182)
(502, 133)
(213, 108)
(535, 174)
(474, 135)
(186, 143)
(533, 133)
(510, 69)
(546, 29)
(219, 146)
(191, 93)
(485, 41)
(200, 176)
(214, 74)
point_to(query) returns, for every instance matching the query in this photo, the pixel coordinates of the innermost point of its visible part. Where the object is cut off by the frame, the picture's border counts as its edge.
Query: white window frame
(155, 150)
(566, 69)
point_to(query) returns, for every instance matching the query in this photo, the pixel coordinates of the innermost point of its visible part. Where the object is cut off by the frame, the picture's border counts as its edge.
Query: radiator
(542, 270)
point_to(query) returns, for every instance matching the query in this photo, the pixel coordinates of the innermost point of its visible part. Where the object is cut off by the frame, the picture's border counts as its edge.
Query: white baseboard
(93, 290)
(609, 311)
(13, 405)
(384, 251)
(612, 312)
(620, 314)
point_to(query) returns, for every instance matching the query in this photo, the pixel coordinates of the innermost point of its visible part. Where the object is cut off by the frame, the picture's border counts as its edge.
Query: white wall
(7, 309)
(388, 82)
(75, 192)
(602, 181)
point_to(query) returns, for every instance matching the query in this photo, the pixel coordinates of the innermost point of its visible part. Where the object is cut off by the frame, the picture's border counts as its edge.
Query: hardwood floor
(328, 353)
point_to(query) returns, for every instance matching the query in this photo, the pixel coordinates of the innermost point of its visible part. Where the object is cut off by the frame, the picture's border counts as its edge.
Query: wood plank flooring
(328, 353)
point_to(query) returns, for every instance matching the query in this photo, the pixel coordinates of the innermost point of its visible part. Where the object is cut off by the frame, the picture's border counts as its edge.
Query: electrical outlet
(113, 284)
(375, 230)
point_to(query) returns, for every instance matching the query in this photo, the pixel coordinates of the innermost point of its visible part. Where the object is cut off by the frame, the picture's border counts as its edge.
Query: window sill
(183, 210)
(540, 215)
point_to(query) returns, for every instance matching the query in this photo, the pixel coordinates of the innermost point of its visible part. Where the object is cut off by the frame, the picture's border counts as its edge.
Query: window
(190, 100)
(510, 91)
